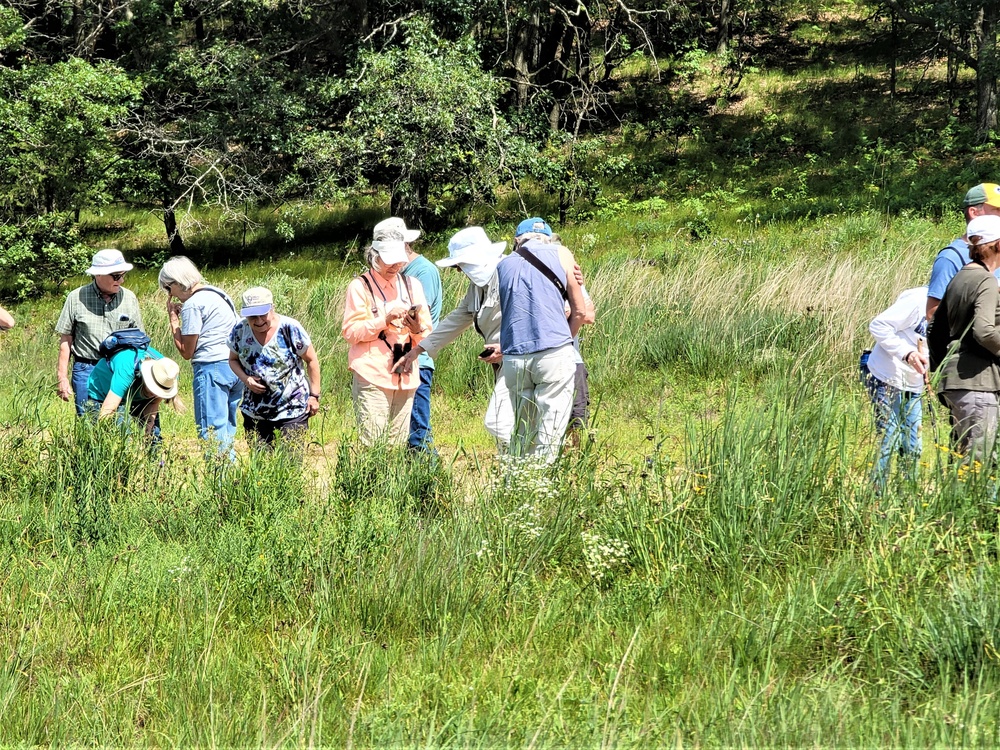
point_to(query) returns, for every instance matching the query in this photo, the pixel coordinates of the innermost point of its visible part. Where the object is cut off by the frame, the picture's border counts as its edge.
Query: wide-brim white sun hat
(471, 245)
(108, 261)
(394, 228)
(160, 376)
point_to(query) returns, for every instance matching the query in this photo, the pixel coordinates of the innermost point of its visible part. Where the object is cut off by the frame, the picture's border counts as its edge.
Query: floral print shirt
(279, 365)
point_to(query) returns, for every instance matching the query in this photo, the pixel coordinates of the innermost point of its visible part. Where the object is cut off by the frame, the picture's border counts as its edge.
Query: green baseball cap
(986, 192)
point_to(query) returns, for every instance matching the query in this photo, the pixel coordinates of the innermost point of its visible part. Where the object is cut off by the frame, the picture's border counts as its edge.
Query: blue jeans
(217, 395)
(420, 415)
(78, 380)
(898, 417)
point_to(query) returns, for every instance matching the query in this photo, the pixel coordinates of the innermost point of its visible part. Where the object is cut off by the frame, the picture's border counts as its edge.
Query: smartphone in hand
(486, 353)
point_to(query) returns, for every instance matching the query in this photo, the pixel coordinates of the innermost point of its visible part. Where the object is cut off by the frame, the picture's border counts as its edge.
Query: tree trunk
(986, 73)
(725, 20)
(173, 231)
(525, 58)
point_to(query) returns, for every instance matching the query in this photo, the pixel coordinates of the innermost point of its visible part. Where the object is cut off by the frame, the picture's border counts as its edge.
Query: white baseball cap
(394, 228)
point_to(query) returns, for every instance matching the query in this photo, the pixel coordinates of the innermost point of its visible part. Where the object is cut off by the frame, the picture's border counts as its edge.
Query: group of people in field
(950, 327)
(527, 305)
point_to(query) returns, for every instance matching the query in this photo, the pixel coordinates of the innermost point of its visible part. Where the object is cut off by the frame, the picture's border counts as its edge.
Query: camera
(400, 350)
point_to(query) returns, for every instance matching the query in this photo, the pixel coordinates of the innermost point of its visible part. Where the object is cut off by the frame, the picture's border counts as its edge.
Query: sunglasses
(117, 276)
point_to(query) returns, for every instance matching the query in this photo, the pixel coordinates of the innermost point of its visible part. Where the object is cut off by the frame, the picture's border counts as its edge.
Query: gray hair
(371, 255)
(529, 236)
(180, 270)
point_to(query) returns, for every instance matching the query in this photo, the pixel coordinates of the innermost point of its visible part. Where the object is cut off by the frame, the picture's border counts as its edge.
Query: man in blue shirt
(981, 200)
(394, 229)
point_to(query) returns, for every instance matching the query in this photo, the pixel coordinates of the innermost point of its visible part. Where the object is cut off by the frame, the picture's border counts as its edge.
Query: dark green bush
(38, 254)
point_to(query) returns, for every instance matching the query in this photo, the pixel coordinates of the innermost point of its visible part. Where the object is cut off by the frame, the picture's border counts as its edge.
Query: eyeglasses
(166, 287)
(117, 276)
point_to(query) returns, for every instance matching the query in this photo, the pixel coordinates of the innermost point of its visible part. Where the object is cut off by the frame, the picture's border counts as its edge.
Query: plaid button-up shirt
(89, 319)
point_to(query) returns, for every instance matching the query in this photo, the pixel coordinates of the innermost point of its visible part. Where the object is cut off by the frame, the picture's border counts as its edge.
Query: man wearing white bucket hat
(89, 315)
(472, 252)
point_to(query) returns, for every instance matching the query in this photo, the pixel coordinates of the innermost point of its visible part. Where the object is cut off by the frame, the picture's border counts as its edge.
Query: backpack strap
(221, 294)
(381, 334)
(544, 269)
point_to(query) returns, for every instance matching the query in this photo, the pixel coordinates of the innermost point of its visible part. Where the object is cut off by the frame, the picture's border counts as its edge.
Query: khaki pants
(382, 413)
(541, 391)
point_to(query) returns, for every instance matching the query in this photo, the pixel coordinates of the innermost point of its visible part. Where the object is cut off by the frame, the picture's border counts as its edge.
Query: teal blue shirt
(429, 277)
(118, 376)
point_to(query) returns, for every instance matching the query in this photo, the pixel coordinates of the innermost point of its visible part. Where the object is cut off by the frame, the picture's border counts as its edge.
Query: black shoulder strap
(221, 294)
(544, 269)
(371, 293)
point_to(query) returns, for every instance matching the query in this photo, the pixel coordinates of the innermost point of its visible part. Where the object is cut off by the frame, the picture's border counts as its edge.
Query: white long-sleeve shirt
(899, 331)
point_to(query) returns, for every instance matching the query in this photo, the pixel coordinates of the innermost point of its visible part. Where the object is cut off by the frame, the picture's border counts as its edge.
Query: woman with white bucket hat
(472, 252)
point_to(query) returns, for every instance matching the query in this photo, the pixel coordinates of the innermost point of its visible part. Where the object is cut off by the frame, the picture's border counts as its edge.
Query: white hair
(180, 270)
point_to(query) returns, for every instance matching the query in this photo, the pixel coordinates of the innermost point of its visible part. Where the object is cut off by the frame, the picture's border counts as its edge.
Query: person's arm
(902, 315)
(148, 414)
(984, 327)
(453, 324)
(933, 303)
(184, 343)
(255, 385)
(574, 291)
(110, 404)
(419, 324)
(886, 326)
(62, 368)
(359, 324)
(313, 375)
(6, 320)
(947, 263)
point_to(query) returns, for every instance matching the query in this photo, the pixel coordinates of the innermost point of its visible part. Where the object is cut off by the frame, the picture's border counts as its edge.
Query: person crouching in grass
(894, 377)
(274, 358)
(135, 383)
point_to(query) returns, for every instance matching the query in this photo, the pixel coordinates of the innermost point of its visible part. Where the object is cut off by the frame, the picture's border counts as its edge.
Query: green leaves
(421, 120)
(59, 124)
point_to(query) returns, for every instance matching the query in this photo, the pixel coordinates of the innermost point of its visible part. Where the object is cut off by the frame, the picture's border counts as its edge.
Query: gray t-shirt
(211, 315)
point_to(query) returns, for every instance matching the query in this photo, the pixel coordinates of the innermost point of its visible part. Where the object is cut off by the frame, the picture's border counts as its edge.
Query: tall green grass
(754, 592)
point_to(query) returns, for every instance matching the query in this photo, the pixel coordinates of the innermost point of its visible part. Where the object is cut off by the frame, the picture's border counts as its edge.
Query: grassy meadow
(710, 567)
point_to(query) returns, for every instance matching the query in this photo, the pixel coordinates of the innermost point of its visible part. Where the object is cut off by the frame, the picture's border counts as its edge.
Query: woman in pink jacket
(385, 316)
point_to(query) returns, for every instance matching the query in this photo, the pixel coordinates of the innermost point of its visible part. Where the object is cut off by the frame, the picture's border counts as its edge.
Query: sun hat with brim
(108, 261)
(535, 224)
(985, 193)
(471, 245)
(394, 228)
(391, 252)
(160, 376)
(984, 229)
(257, 301)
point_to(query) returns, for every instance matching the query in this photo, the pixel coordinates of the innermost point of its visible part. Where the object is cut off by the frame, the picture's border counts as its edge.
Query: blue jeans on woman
(217, 395)
(898, 417)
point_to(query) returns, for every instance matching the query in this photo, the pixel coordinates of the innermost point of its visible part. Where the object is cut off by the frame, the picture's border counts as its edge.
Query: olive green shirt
(971, 307)
(89, 319)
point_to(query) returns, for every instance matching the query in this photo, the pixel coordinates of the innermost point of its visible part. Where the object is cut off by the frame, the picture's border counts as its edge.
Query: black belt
(85, 361)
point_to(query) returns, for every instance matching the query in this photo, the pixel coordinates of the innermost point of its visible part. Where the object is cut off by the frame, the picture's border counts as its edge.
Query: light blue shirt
(429, 277)
(210, 314)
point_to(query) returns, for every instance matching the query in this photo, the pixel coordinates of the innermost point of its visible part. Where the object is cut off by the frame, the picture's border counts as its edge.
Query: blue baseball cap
(534, 224)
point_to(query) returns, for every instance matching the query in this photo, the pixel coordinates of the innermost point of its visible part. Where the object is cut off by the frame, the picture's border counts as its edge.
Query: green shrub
(38, 254)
